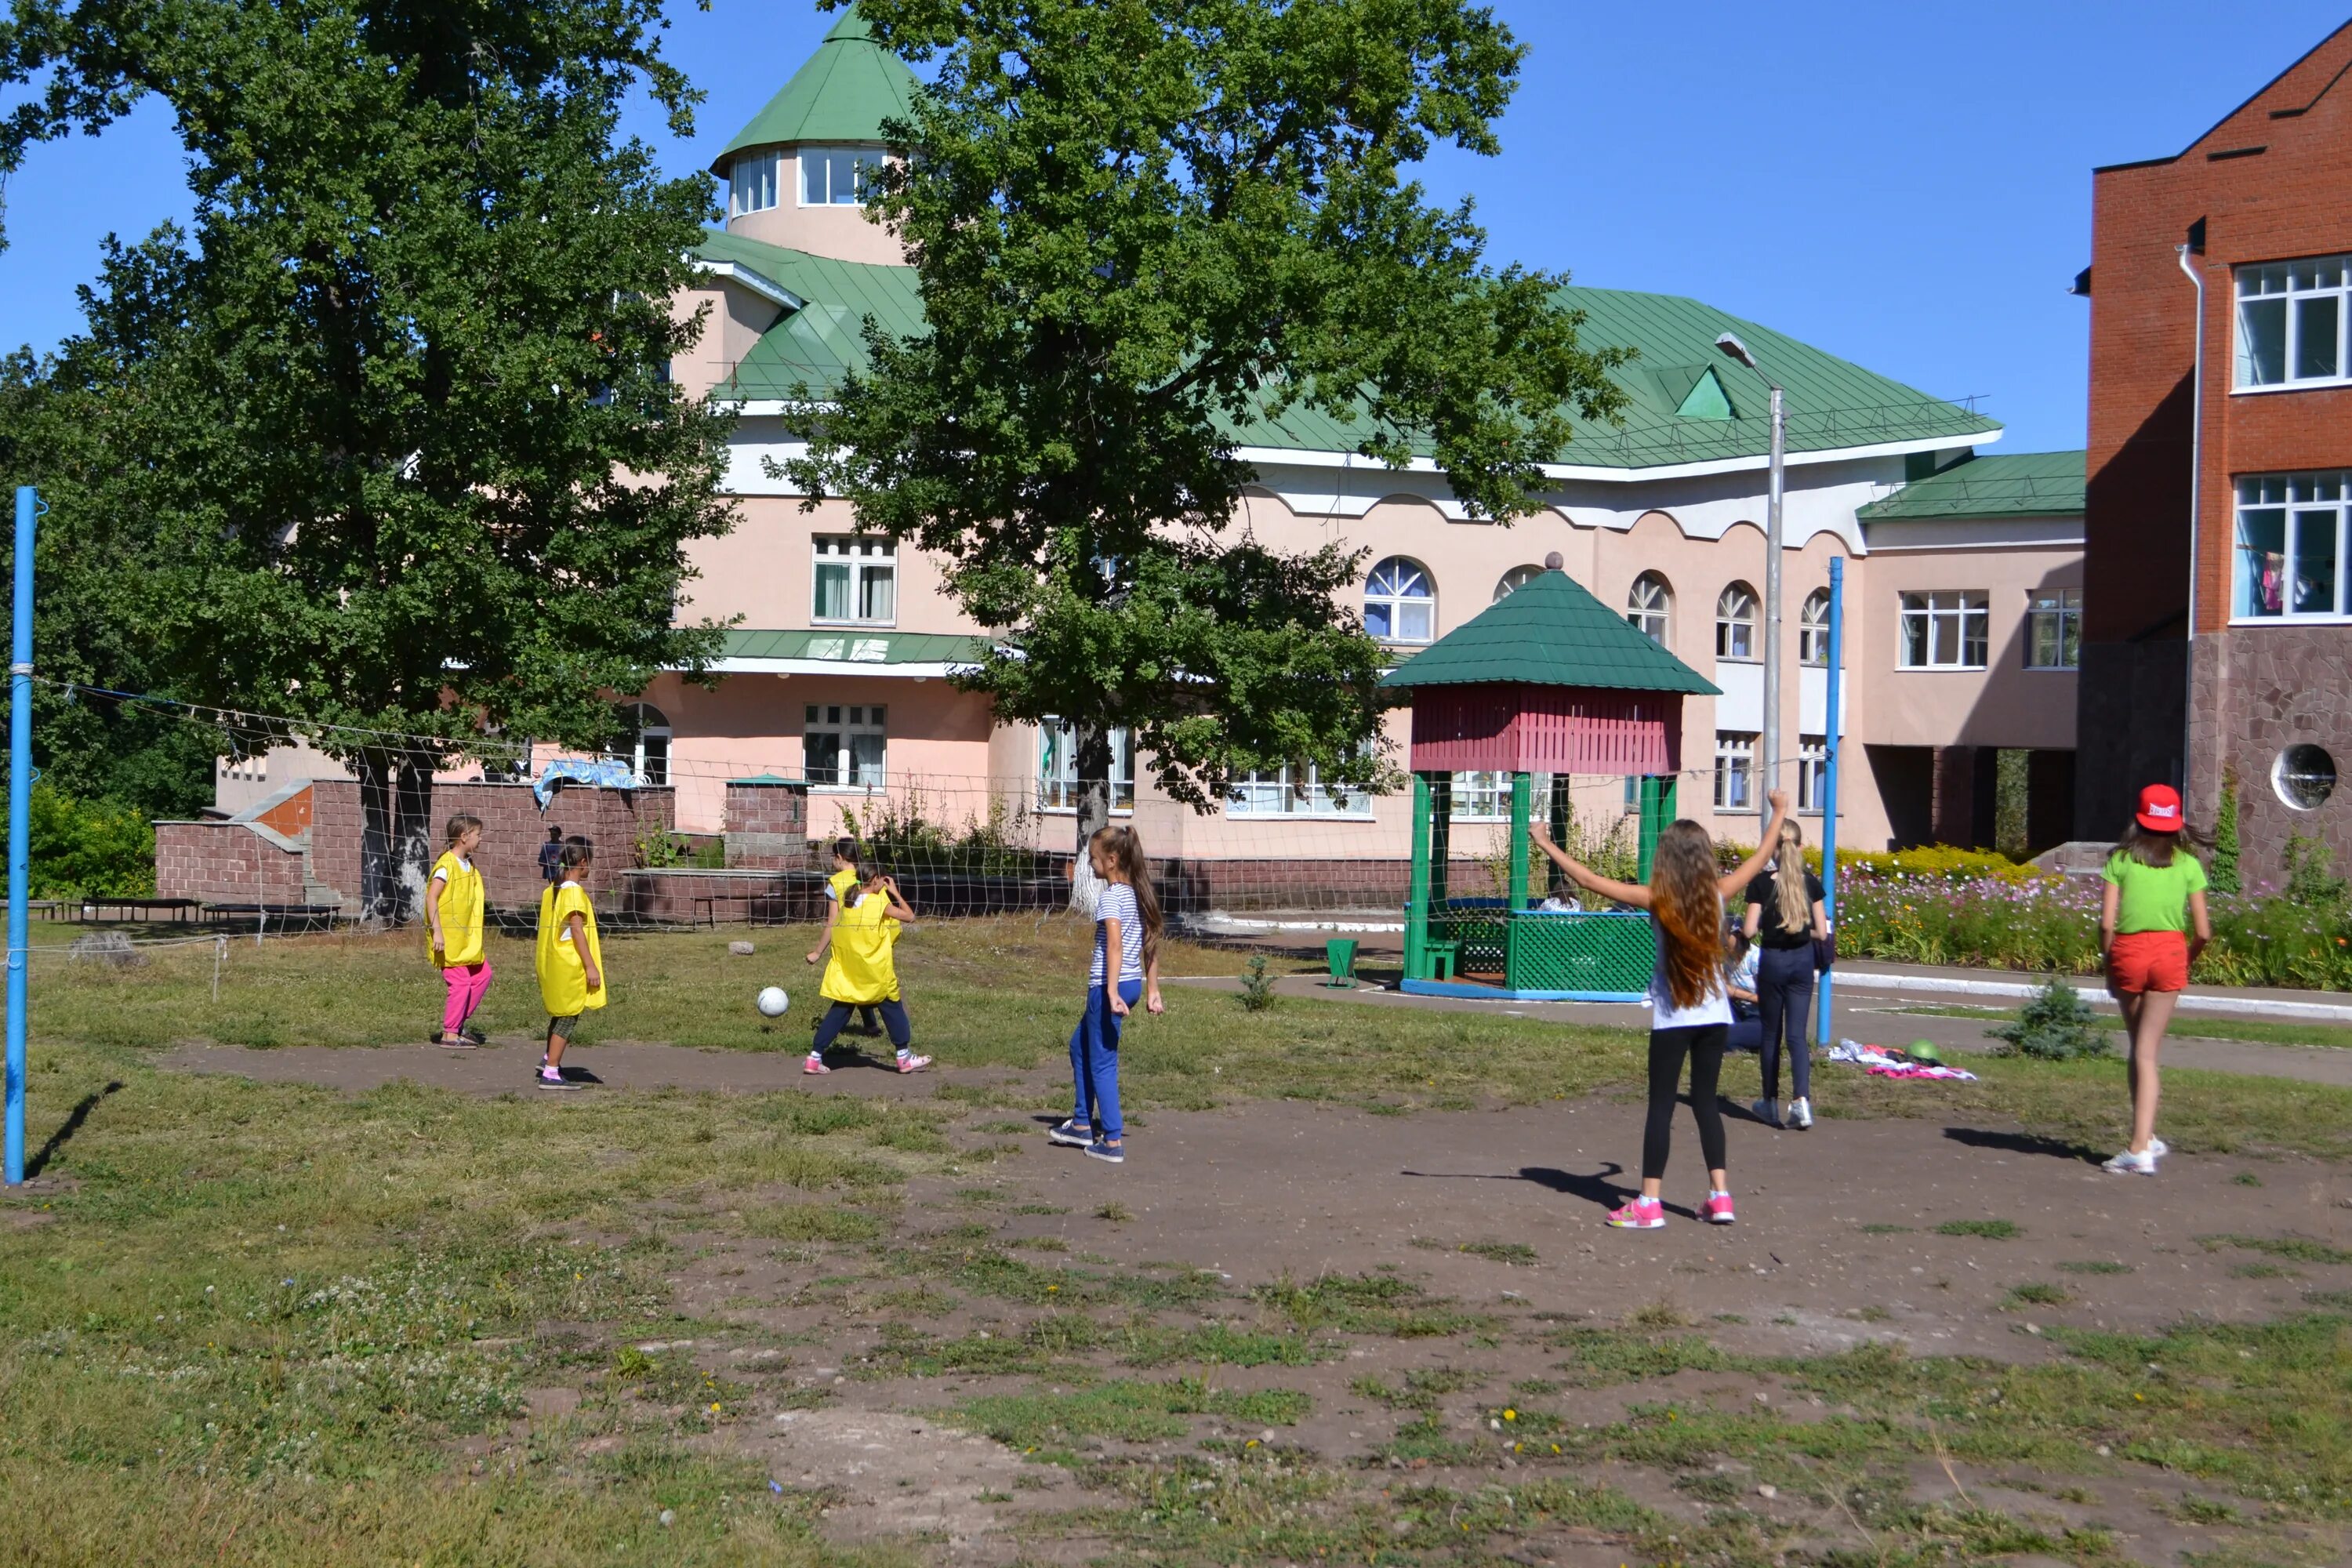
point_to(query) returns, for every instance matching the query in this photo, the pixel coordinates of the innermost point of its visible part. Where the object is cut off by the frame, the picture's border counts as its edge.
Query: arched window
(1517, 578)
(1400, 605)
(1813, 629)
(1734, 623)
(1649, 605)
(648, 743)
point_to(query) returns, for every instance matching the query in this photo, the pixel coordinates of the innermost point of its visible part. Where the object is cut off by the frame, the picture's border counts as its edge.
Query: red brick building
(2217, 622)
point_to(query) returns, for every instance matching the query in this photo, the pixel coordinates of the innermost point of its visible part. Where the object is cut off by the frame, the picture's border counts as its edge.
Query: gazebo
(1546, 681)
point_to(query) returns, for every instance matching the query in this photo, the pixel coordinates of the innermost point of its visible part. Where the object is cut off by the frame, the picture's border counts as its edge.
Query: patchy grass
(2294, 1248)
(1517, 1254)
(1046, 1424)
(1989, 1229)
(2034, 1294)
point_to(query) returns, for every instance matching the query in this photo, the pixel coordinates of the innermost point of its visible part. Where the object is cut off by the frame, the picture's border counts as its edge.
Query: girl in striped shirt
(1126, 970)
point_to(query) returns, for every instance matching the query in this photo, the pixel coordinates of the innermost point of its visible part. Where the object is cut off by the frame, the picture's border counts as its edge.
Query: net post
(20, 806)
(1832, 730)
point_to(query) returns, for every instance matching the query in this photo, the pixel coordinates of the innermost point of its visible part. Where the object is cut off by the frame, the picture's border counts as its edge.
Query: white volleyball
(773, 1002)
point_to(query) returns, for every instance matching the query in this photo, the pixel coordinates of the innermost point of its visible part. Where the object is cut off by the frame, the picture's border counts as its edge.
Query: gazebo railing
(1587, 953)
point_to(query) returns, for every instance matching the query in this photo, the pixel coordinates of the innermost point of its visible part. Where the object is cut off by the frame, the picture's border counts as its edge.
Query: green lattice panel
(1581, 951)
(1481, 934)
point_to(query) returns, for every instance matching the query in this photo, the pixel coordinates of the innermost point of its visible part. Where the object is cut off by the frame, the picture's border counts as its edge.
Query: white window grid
(844, 746)
(836, 176)
(2292, 322)
(1947, 629)
(2291, 547)
(856, 582)
(1648, 606)
(1481, 797)
(1400, 602)
(1294, 791)
(2053, 628)
(1517, 578)
(1813, 629)
(751, 184)
(1735, 623)
(1735, 769)
(1057, 767)
(1812, 771)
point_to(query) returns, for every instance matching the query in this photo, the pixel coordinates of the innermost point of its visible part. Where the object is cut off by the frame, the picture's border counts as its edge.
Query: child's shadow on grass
(1596, 1188)
(2022, 1143)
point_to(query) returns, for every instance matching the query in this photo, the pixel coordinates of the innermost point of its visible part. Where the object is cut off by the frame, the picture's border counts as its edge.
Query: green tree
(390, 427)
(2224, 872)
(1143, 230)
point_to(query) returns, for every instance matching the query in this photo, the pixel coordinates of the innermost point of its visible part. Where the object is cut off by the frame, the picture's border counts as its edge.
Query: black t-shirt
(1764, 897)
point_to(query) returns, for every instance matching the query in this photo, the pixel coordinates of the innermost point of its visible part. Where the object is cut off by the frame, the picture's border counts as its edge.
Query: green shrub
(87, 848)
(2056, 1026)
(2223, 869)
(1257, 986)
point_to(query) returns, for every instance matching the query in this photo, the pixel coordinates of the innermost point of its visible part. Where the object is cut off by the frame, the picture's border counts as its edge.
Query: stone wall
(2261, 689)
(226, 863)
(767, 824)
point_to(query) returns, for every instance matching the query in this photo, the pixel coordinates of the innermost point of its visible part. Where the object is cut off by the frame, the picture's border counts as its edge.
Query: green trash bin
(1339, 952)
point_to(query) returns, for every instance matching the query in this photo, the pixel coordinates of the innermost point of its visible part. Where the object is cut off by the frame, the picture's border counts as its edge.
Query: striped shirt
(1116, 903)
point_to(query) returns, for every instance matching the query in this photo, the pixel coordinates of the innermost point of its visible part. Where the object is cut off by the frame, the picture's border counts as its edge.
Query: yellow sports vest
(562, 977)
(861, 970)
(840, 882)
(460, 896)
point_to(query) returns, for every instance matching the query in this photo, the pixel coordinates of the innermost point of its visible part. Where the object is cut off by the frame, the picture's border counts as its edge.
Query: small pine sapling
(1257, 986)
(2222, 873)
(2056, 1026)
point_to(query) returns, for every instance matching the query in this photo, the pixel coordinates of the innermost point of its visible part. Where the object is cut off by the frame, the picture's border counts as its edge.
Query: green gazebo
(1546, 681)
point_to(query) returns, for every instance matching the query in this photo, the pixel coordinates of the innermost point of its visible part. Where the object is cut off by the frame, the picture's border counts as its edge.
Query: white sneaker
(2130, 1164)
(1800, 1114)
(1767, 1110)
(2159, 1147)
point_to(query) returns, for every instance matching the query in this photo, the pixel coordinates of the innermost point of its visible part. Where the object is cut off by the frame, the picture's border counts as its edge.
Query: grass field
(2187, 1026)
(279, 1324)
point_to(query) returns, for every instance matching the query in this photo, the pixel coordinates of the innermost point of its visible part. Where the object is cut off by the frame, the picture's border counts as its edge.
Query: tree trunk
(396, 834)
(1093, 766)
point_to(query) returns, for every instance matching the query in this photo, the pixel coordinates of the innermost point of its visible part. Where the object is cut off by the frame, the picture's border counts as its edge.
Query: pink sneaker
(1717, 1210)
(814, 1064)
(913, 1063)
(1641, 1213)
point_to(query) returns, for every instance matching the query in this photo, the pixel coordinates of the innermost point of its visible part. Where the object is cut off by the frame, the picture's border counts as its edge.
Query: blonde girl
(2152, 926)
(1786, 915)
(1125, 970)
(571, 960)
(453, 935)
(1690, 1009)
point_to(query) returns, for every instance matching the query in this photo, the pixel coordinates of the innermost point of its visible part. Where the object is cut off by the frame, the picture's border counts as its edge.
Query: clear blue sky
(1907, 186)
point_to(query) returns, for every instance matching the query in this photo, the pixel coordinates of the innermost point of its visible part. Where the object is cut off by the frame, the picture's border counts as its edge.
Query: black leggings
(1784, 996)
(1704, 1045)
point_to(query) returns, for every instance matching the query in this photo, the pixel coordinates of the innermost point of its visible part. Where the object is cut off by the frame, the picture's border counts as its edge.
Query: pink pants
(467, 983)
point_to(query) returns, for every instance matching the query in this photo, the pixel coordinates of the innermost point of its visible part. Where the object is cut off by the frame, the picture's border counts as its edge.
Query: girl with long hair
(1126, 970)
(453, 935)
(2152, 926)
(1690, 1010)
(1786, 915)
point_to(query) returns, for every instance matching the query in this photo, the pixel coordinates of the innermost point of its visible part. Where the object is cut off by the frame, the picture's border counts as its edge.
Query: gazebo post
(1441, 839)
(1657, 810)
(1562, 814)
(1416, 905)
(1522, 803)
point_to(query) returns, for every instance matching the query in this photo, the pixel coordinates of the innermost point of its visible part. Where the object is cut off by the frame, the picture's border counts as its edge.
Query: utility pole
(1778, 464)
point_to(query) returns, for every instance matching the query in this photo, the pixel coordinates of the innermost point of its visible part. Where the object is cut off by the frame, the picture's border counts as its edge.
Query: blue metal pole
(1835, 724)
(20, 810)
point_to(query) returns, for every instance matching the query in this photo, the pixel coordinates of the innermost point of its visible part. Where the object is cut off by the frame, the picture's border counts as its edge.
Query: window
(1735, 769)
(2305, 776)
(649, 756)
(1057, 767)
(1292, 792)
(1517, 578)
(1734, 623)
(857, 580)
(1481, 797)
(1945, 631)
(841, 747)
(1649, 605)
(1398, 603)
(2053, 628)
(1813, 629)
(751, 186)
(2291, 545)
(2291, 322)
(1812, 771)
(836, 176)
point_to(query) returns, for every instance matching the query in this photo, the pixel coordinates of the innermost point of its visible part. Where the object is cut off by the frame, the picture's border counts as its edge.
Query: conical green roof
(1549, 633)
(845, 92)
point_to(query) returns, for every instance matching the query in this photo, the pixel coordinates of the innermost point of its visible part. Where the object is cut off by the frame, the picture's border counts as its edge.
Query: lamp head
(1732, 348)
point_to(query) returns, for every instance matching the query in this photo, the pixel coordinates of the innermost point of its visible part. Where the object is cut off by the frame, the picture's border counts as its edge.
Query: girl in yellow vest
(840, 892)
(453, 925)
(863, 973)
(570, 963)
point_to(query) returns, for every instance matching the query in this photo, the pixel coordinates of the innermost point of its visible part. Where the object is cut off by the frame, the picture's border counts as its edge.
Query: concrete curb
(2012, 990)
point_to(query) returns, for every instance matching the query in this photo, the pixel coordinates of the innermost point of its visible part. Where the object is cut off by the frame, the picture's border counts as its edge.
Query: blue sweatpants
(1094, 1059)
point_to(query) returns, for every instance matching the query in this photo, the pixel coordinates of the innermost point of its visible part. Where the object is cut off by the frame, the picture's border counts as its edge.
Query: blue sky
(1907, 186)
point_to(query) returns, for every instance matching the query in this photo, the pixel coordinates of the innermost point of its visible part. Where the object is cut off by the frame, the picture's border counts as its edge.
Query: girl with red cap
(2152, 926)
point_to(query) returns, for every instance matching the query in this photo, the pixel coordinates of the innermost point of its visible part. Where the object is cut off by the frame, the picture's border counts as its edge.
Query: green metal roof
(1999, 484)
(845, 92)
(1549, 633)
(813, 346)
(853, 644)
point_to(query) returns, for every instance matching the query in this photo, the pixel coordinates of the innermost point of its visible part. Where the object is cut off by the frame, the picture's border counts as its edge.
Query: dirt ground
(1837, 1246)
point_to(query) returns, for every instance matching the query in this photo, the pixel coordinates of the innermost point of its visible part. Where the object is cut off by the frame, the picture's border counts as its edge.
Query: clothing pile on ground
(1892, 1061)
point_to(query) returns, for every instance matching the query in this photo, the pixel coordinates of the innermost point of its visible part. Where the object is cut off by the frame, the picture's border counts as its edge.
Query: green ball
(1924, 1051)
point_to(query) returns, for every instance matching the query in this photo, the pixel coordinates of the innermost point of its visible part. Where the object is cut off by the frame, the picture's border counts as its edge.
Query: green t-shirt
(2154, 897)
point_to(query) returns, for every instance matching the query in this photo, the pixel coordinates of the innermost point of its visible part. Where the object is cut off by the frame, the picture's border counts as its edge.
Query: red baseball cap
(2160, 809)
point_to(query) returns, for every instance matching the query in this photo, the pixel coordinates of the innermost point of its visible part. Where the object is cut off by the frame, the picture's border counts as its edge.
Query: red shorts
(2149, 961)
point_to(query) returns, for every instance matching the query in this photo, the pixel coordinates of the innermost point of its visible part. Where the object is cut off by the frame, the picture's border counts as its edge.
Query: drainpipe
(2196, 482)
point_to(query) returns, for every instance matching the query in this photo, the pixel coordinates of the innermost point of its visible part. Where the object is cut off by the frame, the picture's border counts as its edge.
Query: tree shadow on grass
(65, 1130)
(2023, 1144)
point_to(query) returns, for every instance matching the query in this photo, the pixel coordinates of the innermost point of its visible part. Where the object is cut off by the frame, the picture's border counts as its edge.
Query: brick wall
(767, 825)
(224, 863)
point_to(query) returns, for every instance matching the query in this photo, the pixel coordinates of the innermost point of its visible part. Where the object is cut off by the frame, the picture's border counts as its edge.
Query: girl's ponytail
(1126, 854)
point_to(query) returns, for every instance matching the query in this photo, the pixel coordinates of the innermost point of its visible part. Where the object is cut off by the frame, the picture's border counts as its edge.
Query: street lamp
(1731, 347)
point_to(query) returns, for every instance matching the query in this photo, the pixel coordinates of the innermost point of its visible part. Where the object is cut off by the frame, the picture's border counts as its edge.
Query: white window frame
(1517, 578)
(1736, 614)
(1813, 772)
(2303, 505)
(1400, 572)
(1481, 797)
(2302, 291)
(1272, 794)
(869, 560)
(1965, 610)
(821, 162)
(1651, 599)
(1058, 768)
(2061, 609)
(847, 723)
(1813, 630)
(751, 176)
(650, 764)
(1735, 769)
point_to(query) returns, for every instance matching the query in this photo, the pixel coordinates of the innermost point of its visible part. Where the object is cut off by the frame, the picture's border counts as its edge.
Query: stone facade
(2258, 691)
